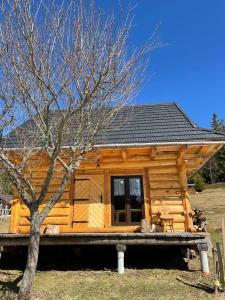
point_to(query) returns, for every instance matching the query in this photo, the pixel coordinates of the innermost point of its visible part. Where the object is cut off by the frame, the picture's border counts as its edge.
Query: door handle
(101, 198)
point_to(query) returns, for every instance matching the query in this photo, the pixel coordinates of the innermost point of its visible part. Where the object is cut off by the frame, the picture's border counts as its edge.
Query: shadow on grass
(204, 287)
(9, 287)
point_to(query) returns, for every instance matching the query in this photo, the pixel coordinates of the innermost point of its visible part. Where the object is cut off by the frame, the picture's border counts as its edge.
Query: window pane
(135, 187)
(136, 215)
(135, 192)
(118, 187)
(119, 199)
(120, 216)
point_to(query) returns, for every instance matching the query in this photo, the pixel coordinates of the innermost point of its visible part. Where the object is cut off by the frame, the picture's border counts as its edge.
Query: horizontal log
(119, 171)
(160, 148)
(171, 209)
(163, 170)
(177, 218)
(44, 168)
(166, 202)
(25, 229)
(165, 184)
(38, 181)
(89, 172)
(113, 165)
(68, 229)
(48, 221)
(165, 192)
(114, 229)
(60, 204)
(179, 227)
(163, 177)
(167, 198)
(54, 212)
(51, 189)
(94, 238)
(40, 174)
(137, 157)
(65, 195)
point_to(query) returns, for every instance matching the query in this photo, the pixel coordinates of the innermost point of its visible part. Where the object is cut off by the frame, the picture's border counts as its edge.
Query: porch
(120, 240)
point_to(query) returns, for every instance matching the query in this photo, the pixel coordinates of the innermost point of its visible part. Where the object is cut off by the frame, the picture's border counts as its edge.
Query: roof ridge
(153, 104)
(185, 115)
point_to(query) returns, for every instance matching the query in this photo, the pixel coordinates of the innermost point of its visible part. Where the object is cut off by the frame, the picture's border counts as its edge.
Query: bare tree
(63, 64)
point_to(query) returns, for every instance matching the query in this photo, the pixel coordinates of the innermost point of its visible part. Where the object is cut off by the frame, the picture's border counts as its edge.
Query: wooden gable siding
(87, 206)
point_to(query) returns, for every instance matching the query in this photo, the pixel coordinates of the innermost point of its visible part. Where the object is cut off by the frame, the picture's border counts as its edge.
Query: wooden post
(71, 202)
(148, 208)
(181, 165)
(107, 200)
(220, 263)
(223, 236)
(14, 218)
(120, 255)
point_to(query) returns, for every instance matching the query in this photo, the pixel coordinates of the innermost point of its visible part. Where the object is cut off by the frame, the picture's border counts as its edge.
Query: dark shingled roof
(159, 123)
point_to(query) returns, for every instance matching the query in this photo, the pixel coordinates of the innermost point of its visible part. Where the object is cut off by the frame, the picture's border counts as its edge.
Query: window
(127, 200)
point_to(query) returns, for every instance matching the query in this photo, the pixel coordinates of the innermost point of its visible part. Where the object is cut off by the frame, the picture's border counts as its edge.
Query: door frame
(127, 200)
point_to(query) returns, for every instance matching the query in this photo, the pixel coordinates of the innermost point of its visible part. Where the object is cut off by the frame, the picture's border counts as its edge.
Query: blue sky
(191, 70)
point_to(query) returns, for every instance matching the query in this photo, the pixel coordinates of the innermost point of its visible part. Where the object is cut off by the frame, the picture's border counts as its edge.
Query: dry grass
(135, 284)
(212, 202)
(4, 226)
(152, 283)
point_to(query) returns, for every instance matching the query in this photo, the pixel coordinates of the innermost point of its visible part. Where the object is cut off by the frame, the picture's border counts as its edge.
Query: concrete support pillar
(120, 255)
(203, 254)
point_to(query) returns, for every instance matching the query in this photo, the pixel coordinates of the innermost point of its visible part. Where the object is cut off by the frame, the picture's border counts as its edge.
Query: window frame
(128, 221)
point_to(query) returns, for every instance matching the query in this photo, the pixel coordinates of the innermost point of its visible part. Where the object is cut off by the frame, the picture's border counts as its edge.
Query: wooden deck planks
(175, 239)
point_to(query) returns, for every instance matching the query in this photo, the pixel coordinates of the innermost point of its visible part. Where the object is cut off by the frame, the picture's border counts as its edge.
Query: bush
(199, 182)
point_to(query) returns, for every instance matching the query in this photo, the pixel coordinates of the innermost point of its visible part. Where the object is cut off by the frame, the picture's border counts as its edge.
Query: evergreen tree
(214, 170)
(215, 123)
(199, 182)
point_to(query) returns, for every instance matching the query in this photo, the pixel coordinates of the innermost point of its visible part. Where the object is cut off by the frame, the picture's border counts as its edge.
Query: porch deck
(170, 238)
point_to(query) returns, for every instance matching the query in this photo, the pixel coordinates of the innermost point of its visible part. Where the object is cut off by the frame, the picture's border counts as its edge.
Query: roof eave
(222, 142)
(123, 145)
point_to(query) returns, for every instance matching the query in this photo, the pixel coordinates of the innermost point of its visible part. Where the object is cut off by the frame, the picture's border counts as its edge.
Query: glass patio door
(127, 200)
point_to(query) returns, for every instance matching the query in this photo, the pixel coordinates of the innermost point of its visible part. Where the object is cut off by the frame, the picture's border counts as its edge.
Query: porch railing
(4, 213)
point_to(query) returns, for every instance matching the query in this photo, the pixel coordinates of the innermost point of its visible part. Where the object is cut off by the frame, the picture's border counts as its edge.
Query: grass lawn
(4, 226)
(135, 284)
(212, 202)
(149, 281)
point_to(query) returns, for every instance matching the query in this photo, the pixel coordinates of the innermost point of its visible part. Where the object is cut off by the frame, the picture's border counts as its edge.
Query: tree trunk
(32, 259)
(210, 171)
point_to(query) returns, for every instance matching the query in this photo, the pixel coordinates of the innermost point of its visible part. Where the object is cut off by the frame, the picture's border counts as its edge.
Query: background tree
(214, 170)
(63, 64)
(199, 182)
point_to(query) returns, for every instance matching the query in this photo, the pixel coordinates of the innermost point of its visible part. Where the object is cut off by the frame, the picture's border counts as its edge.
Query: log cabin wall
(85, 205)
(19, 221)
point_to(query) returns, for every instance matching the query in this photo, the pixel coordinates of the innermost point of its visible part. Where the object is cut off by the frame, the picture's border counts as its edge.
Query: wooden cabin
(137, 171)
